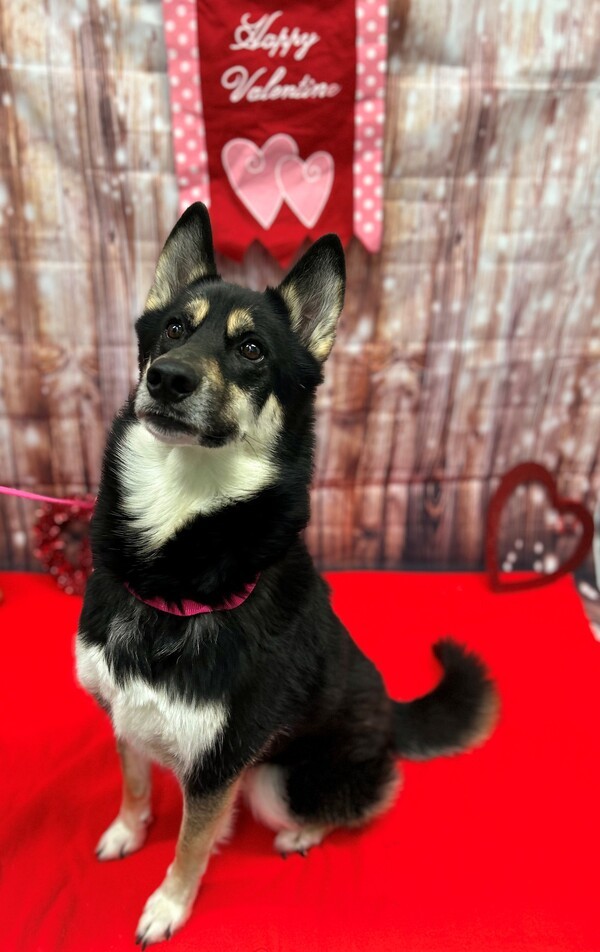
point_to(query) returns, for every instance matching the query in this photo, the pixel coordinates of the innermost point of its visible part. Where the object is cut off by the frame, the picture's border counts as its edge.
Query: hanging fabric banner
(278, 118)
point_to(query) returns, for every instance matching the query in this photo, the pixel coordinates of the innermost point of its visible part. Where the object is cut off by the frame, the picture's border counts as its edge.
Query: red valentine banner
(281, 134)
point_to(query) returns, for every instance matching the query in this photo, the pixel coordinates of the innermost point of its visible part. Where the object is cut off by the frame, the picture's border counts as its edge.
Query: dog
(206, 632)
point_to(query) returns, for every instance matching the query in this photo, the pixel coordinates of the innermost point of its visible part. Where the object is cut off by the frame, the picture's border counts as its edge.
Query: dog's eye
(174, 330)
(251, 350)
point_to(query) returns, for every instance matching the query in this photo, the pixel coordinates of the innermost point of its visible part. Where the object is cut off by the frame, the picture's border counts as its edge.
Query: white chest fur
(165, 486)
(166, 729)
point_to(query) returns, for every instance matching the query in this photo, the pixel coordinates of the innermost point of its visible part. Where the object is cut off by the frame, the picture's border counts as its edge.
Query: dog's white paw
(120, 839)
(298, 841)
(161, 917)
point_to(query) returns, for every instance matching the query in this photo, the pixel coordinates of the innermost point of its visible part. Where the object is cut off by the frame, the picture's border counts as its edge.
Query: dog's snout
(171, 381)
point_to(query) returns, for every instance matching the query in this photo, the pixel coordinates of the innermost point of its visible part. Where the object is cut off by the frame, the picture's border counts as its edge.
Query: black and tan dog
(206, 632)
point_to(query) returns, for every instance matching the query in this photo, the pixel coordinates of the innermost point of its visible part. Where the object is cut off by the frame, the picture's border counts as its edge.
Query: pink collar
(196, 608)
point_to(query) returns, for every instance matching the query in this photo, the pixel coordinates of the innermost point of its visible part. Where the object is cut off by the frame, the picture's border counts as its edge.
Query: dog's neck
(189, 522)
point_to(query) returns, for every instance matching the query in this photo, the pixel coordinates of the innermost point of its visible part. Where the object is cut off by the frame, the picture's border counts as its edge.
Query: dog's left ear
(314, 294)
(187, 256)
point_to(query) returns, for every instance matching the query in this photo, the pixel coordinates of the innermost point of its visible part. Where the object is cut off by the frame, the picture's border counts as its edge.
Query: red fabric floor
(494, 850)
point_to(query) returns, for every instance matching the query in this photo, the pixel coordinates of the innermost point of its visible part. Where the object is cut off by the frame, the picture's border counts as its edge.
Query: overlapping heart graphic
(264, 178)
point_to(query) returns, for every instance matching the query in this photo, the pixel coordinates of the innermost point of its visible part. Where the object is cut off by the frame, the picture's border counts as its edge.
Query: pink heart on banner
(306, 185)
(251, 173)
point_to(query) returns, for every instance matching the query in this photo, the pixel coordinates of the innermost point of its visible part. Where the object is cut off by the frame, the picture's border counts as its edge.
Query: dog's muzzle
(164, 405)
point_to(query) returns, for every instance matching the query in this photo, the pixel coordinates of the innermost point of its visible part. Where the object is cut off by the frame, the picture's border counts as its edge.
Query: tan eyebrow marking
(238, 321)
(198, 310)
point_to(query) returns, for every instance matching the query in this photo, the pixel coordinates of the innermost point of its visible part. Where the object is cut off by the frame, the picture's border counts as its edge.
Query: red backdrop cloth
(494, 850)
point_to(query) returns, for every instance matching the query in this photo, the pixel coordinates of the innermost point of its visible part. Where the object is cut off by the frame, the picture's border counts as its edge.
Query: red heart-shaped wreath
(61, 537)
(522, 474)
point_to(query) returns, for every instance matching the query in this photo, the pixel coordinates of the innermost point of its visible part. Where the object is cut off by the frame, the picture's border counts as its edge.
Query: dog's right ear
(187, 256)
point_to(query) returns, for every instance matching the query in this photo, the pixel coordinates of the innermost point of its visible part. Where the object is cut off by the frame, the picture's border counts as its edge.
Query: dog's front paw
(162, 915)
(120, 839)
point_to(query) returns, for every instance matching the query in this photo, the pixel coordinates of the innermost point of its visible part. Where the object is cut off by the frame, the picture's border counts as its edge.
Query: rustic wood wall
(469, 344)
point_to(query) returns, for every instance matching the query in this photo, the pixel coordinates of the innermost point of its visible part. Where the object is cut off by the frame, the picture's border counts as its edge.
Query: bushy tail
(459, 713)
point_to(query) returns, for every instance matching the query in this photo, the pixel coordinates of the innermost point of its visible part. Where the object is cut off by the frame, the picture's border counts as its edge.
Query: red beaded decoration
(62, 544)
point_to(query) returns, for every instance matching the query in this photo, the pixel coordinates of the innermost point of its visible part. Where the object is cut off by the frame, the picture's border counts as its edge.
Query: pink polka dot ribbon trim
(183, 66)
(369, 117)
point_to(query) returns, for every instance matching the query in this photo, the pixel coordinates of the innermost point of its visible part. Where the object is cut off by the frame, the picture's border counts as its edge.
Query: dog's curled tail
(459, 713)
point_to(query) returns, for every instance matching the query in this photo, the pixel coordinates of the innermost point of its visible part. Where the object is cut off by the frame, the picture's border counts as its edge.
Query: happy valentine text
(257, 35)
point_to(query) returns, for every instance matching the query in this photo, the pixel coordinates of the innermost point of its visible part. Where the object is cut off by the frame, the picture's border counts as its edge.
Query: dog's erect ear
(314, 294)
(187, 256)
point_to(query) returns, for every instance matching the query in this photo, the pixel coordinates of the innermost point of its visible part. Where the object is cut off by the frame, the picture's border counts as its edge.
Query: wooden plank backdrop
(470, 343)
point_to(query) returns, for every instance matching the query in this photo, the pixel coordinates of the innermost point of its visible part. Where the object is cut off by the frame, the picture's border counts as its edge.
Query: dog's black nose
(171, 380)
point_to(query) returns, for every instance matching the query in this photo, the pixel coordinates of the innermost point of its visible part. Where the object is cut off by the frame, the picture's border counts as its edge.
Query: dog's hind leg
(127, 833)
(304, 803)
(264, 791)
(205, 819)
